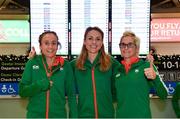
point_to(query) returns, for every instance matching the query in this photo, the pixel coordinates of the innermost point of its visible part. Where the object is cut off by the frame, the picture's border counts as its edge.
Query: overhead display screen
(131, 15)
(49, 15)
(85, 13)
(14, 31)
(165, 30)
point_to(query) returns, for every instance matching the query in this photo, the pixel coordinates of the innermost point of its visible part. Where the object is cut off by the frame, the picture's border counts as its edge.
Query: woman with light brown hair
(94, 72)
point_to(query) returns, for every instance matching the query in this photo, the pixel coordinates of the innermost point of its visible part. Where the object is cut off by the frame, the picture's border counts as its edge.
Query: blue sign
(8, 88)
(171, 87)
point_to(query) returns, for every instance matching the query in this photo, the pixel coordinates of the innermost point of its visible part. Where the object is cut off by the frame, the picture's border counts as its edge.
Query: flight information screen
(131, 15)
(85, 13)
(49, 15)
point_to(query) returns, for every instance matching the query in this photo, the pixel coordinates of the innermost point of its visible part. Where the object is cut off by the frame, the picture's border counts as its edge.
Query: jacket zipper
(48, 92)
(94, 91)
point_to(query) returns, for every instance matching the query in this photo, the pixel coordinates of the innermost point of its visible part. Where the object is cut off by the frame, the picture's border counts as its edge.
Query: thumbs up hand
(32, 53)
(150, 72)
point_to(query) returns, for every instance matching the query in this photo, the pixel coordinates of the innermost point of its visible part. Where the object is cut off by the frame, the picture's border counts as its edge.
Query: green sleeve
(115, 65)
(27, 88)
(159, 86)
(175, 100)
(71, 92)
(73, 65)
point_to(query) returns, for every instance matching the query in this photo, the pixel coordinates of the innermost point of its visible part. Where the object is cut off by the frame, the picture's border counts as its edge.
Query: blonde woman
(134, 80)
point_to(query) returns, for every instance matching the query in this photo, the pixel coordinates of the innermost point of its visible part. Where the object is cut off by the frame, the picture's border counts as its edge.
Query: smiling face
(128, 47)
(93, 41)
(49, 45)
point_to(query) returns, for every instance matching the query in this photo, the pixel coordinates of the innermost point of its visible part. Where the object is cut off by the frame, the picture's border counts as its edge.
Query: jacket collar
(95, 62)
(135, 62)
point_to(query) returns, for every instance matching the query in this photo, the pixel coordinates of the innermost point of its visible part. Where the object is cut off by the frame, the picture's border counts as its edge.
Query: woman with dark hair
(45, 80)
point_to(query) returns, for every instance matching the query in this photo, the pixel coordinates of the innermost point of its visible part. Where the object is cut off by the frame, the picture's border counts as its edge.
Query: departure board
(131, 15)
(49, 15)
(85, 13)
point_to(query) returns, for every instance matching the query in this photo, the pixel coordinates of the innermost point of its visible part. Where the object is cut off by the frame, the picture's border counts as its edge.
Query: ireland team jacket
(48, 99)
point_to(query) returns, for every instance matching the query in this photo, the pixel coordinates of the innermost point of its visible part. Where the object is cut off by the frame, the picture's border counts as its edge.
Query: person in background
(175, 100)
(152, 51)
(154, 54)
(45, 81)
(94, 71)
(135, 79)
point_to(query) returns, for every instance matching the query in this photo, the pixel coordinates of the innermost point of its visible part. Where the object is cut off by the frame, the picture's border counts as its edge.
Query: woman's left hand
(32, 53)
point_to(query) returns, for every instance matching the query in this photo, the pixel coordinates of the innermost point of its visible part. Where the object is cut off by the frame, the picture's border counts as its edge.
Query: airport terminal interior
(19, 26)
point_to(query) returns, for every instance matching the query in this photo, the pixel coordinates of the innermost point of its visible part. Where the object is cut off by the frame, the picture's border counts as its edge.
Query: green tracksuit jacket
(175, 100)
(132, 90)
(99, 95)
(35, 84)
